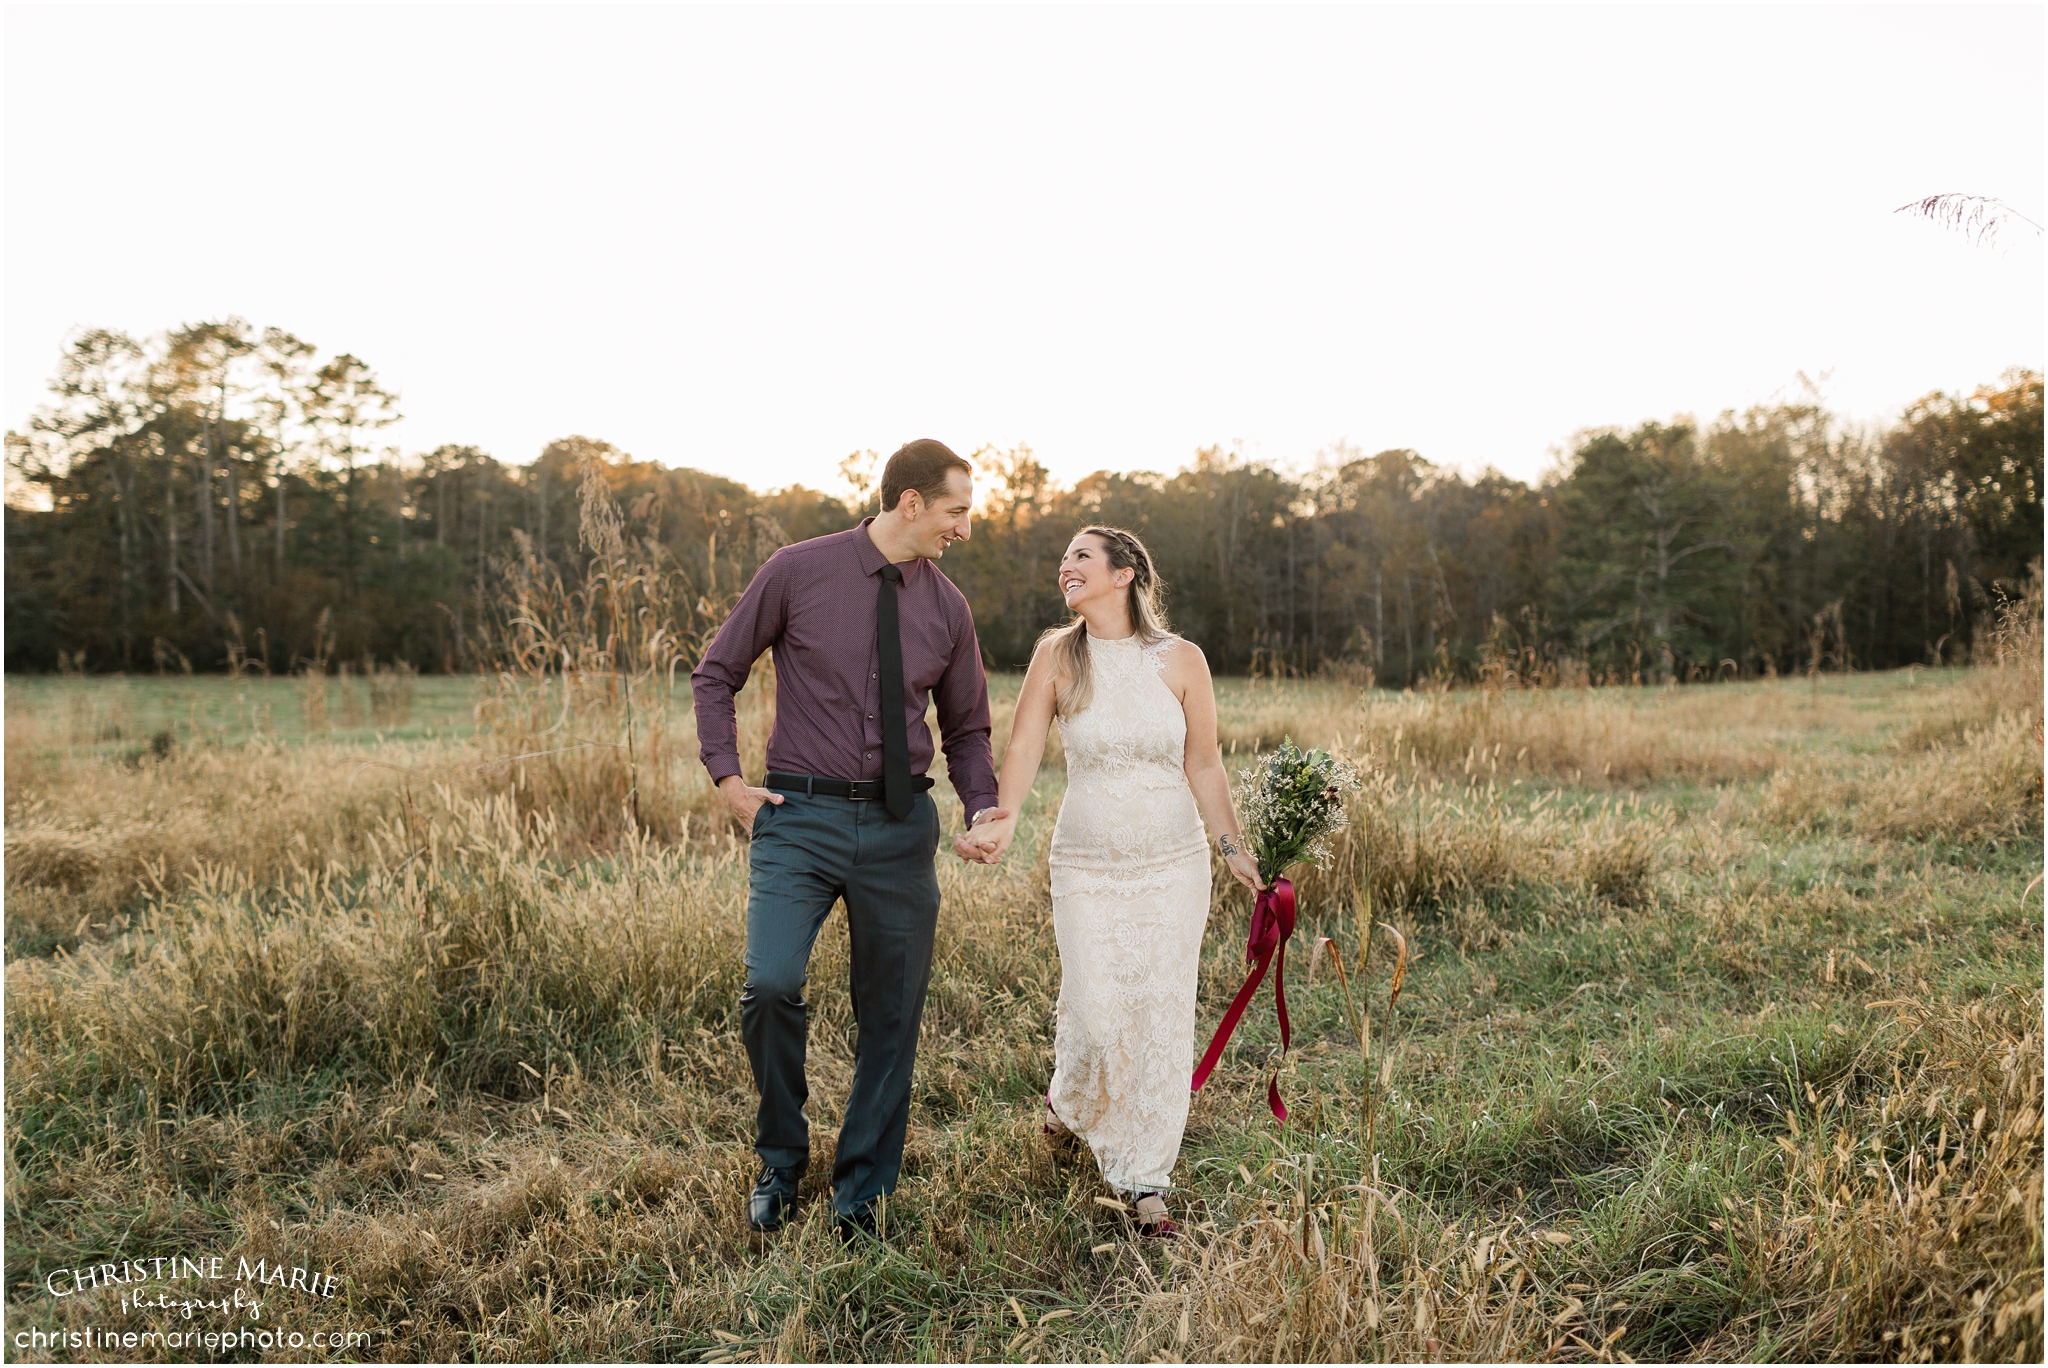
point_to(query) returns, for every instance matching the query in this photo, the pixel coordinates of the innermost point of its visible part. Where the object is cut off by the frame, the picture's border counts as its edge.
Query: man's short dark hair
(923, 465)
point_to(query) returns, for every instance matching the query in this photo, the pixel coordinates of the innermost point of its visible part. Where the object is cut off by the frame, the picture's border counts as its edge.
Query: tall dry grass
(1904, 1224)
(465, 1031)
(465, 963)
(2005, 682)
(1968, 770)
(1910, 1222)
(1601, 738)
(581, 712)
(1417, 841)
(104, 832)
(456, 986)
(1382, 1279)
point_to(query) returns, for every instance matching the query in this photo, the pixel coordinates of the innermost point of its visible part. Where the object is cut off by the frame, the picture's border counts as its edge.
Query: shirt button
(871, 717)
(874, 676)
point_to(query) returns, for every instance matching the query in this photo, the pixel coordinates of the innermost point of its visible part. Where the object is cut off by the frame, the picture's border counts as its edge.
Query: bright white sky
(753, 241)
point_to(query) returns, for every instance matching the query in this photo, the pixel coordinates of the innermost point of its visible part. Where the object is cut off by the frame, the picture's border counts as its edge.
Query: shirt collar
(871, 558)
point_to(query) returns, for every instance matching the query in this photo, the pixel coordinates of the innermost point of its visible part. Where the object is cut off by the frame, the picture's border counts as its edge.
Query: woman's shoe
(1153, 1224)
(1052, 1125)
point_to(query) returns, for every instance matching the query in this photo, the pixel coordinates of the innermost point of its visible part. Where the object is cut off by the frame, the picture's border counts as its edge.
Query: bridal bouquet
(1291, 803)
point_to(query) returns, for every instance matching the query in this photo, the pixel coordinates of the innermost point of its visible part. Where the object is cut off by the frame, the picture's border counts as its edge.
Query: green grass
(127, 714)
(503, 1094)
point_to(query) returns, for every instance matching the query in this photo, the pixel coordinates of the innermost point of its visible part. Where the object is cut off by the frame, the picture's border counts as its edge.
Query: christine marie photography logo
(200, 1302)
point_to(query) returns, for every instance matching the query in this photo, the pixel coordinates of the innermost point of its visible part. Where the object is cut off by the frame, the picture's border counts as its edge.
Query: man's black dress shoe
(773, 1196)
(858, 1223)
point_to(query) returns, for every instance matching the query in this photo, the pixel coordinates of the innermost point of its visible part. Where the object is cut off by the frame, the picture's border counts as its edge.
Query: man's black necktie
(896, 794)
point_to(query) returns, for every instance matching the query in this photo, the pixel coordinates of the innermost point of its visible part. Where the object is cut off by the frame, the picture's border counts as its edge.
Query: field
(1720, 1038)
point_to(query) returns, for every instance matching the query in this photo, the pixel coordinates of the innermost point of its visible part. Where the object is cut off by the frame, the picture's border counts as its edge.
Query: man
(864, 630)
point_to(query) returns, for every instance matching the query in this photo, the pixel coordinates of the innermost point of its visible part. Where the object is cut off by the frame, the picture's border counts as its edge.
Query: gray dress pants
(808, 853)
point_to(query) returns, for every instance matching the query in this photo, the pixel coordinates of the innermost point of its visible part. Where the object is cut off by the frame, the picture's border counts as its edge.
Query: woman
(1130, 865)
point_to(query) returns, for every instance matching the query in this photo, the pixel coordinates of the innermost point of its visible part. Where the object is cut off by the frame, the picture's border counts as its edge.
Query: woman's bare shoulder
(1181, 653)
(1045, 661)
(1050, 652)
(1181, 665)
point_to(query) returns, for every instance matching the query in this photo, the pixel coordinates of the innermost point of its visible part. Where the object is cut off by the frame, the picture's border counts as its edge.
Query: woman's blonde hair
(1141, 604)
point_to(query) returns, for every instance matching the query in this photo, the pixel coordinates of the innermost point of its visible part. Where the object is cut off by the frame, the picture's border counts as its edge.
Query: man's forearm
(964, 726)
(718, 736)
(748, 631)
(970, 765)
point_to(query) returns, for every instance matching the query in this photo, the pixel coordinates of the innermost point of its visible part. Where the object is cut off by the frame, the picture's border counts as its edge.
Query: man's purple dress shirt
(813, 604)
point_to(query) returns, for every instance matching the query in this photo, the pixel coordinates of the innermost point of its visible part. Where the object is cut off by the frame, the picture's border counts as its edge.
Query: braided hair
(1141, 604)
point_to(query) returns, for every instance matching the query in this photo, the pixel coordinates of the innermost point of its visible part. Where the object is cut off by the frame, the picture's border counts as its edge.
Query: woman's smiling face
(1086, 574)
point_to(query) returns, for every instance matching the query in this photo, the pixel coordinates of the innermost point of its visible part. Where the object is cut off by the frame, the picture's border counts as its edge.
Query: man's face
(943, 521)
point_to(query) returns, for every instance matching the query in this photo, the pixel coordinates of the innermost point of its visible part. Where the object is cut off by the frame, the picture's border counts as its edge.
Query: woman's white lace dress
(1130, 897)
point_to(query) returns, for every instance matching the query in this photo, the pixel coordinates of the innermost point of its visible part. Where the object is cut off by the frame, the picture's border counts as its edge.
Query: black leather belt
(857, 790)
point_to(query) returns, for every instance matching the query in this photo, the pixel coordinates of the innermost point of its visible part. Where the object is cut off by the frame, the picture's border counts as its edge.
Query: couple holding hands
(865, 631)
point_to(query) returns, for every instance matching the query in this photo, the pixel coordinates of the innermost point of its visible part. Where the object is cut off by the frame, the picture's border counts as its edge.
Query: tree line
(217, 496)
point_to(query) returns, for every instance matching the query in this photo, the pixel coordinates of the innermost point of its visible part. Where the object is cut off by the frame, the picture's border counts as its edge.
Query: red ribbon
(1272, 925)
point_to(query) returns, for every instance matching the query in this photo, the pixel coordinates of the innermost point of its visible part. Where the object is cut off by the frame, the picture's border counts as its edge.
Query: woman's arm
(1187, 674)
(994, 829)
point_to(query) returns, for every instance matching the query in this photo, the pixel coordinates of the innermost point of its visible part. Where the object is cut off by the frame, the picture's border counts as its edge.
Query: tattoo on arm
(1227, 844)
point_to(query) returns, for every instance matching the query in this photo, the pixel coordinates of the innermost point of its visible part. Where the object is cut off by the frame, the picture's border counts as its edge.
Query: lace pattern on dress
(1130, 894)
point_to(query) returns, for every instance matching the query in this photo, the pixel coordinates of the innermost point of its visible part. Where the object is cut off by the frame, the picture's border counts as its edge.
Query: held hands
(984, 843)
(745, 801)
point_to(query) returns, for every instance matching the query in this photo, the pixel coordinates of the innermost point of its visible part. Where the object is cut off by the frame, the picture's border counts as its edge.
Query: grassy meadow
(1719, 1037)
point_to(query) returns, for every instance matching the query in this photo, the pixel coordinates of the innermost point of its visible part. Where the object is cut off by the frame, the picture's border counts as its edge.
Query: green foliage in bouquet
(1291, 802)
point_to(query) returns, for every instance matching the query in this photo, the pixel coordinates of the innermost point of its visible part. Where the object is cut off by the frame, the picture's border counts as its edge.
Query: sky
(753, 241)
